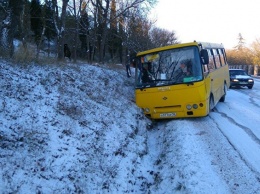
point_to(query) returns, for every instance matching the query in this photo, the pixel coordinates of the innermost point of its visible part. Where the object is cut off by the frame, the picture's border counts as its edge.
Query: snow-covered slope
(76, 129)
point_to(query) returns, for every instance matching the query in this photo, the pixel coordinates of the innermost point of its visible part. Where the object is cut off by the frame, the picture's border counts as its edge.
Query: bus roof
(203, 44)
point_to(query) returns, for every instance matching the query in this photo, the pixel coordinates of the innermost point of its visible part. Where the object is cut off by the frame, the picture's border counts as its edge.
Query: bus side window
(222, 58)
(211, 61)
(205, 69)
(217, 60)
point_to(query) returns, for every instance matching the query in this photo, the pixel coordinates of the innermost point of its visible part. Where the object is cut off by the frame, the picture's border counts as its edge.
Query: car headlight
(235, 80)
(250, 80)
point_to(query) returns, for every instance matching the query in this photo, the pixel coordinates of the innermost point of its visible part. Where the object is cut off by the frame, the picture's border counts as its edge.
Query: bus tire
(211, 103)
(222, 99)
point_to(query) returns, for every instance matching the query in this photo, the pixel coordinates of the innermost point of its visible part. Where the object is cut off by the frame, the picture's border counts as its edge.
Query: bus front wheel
(211, 103)
(222, 99)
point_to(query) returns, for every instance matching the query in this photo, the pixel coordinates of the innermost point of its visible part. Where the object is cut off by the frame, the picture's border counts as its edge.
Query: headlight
(195, 106)
(189, 107)
(146, 110)
(234, 80)
(250, 80)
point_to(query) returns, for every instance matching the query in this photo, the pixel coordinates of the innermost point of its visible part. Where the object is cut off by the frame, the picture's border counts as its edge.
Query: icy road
(216, 154)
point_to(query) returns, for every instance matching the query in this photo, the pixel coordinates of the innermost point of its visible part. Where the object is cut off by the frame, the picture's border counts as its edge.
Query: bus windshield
(168, 67)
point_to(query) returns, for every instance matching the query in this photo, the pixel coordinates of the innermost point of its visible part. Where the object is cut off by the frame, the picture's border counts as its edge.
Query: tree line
(244, 55)
(95, 30)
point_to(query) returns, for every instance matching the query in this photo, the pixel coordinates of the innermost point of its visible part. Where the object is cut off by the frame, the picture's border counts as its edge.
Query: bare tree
(107, 12)
(255, 51)
(161, 37)
(134, 26)
(102, 11)
(25, 26)
(84, 31)
(241, 42)
(76, 14)
(113, 37)
(59, 23)
(9, 26)
(107, 29)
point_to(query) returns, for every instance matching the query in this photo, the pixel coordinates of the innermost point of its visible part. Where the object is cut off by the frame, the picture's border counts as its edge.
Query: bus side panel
(207, 81)
(219, 77)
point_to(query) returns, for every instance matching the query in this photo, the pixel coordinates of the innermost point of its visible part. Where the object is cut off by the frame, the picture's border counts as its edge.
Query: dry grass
(27, 55)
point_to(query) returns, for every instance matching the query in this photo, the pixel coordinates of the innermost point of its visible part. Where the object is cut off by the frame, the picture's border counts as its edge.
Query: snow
(75, 128)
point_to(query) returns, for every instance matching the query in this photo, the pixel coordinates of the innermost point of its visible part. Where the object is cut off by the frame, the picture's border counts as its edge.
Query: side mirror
(204, 56)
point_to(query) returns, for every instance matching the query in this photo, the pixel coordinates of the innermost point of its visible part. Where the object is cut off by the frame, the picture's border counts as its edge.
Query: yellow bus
(181, 80)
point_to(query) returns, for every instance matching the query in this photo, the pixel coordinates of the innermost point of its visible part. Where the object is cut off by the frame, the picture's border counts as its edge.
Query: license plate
(243, 82)
(172, 114)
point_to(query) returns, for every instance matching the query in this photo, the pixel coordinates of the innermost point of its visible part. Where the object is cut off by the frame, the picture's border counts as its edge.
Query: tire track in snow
(252, 96)
(246, 129)
(225, 157)
(243, 141)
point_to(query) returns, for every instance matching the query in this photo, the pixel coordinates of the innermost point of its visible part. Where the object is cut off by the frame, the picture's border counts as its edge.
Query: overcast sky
(217, 21)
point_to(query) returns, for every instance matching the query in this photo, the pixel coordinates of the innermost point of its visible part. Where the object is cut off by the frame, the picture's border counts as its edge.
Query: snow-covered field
(76, 129)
